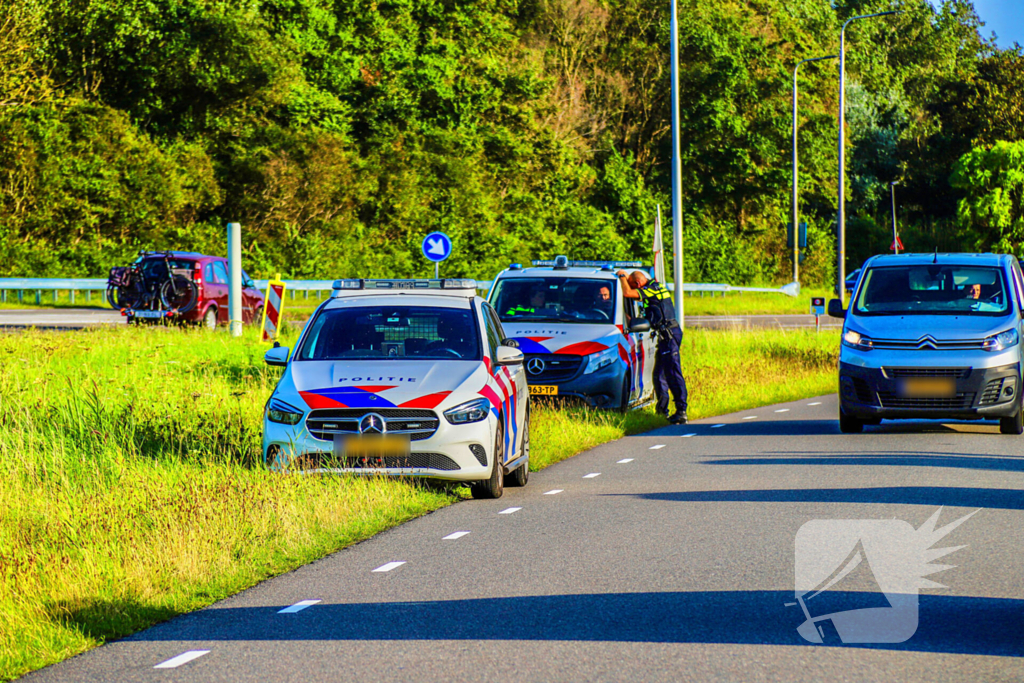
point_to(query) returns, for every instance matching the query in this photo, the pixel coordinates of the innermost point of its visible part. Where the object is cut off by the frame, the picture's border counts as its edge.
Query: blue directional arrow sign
(437, 246)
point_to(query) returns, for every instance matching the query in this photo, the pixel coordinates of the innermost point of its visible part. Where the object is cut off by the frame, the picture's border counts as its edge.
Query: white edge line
(389, 566)
(509, 511)
(591, 475)
(183, 658)
(297, 607)
(455, 535)
(654, 448)
(624, 461)
(552, 492)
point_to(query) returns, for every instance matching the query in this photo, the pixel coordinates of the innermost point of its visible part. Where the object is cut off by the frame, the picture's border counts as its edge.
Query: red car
(210, 275)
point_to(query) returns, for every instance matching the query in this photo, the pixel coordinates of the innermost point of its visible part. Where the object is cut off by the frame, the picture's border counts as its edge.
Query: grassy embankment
(130, 487)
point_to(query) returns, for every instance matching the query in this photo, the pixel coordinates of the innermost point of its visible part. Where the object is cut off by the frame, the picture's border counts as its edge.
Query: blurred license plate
(929, 388)
(544, 390)
(150, 314)
(372, 449)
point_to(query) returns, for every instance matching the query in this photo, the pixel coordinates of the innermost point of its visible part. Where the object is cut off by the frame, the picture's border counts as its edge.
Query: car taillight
(198, 280)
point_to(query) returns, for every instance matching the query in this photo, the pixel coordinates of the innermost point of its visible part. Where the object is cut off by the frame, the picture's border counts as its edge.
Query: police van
(579, 336)
(402, 377)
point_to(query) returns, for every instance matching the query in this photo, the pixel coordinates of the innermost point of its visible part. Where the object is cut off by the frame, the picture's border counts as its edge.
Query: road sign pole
(235, 278)
(677, 179)
(437, 270)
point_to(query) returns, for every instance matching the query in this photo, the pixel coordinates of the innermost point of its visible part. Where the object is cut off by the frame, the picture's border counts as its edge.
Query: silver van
(933, 336)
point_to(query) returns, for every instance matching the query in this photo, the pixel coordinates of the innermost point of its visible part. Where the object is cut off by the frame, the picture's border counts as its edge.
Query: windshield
(392, 333)
(933, 289)
(555, 299)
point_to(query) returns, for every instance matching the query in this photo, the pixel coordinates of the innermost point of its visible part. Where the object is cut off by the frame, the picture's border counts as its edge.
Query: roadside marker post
(272, 310)
(818, 309)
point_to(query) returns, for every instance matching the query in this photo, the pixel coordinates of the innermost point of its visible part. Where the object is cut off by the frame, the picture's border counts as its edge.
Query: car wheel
(210, 318)
(627, 385)
(522, 473)
(849, 425)
(494, 486)
(1013, 424)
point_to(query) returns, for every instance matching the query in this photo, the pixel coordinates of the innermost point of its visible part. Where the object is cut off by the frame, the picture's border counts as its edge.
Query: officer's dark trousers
(668, 375)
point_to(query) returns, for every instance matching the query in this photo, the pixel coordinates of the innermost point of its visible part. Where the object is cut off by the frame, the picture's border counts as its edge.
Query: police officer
(658, 307)
(537, 302)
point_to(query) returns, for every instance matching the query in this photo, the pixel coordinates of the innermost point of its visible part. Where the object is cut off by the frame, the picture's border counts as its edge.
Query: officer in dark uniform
(658, 307)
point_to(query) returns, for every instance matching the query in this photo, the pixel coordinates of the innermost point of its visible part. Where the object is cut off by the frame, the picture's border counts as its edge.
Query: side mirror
(510, 342)
(506, 355)
(835, 309)
(640, 325)
(276, 357)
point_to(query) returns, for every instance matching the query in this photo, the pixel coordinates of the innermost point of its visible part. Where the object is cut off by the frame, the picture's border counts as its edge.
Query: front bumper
(453, 452)
(599, 389)
(981, 393)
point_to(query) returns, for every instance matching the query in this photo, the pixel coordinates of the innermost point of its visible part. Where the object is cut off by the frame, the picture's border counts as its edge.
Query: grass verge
(753, 303)
(130, 487)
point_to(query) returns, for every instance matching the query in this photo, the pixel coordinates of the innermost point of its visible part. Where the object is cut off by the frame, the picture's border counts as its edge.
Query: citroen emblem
(372, 423)
(535, 366)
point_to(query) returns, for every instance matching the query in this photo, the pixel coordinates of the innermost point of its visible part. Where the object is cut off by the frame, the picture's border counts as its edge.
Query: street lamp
(796, 210)
(841, 236)
(895, 239)
(677, 180)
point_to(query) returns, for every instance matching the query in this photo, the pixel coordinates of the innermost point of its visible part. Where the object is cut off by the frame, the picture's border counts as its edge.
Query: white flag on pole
(659, 251)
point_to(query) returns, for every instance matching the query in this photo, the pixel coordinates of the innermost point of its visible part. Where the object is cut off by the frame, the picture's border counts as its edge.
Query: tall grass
(131, 489)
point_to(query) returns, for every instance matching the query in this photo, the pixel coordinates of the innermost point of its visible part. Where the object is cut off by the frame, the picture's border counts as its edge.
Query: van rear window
(933, 289)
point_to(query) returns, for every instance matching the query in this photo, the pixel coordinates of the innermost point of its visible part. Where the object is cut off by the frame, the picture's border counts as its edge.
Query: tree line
(340, 133)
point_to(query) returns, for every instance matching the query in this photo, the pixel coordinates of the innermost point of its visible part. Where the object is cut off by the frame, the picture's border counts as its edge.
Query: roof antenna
(936, 259)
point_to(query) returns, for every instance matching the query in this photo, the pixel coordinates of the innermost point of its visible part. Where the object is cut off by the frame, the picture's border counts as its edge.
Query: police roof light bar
(351, 284)
(592, 264)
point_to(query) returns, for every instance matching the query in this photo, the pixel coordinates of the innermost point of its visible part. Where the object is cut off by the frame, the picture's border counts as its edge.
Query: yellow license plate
(373, 448)
(928, 387)
(544, 390)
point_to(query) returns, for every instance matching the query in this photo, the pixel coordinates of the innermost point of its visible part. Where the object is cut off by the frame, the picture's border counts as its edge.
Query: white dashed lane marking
(552, 492)
(654, 448)
(297, 607)
(183, 658)
(687, 436)
(509, 511)
(591, 475)
(717, 426)
(453, 536)
(816, 403)
(750, 417)
(389, 566)
(782, 410)
(624, 461)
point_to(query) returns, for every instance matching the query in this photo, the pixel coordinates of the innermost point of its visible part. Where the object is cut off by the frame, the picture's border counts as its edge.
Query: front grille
(432, 461)
(956, 373)
(557, 367)
(958, 402)
(928, 343)
(417, 424)
(992, 391)
(864, 393)
(479, 453)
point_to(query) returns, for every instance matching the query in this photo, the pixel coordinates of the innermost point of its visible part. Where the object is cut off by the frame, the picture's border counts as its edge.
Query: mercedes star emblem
(372, 423)
(535, 366)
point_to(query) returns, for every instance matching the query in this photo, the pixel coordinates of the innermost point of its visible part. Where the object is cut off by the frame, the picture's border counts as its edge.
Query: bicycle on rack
(152, 283)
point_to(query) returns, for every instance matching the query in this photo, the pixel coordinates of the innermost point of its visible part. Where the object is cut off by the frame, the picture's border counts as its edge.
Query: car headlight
(856, 340)
(471, 411)
(282, 413)
(601, 359)
(998, 342)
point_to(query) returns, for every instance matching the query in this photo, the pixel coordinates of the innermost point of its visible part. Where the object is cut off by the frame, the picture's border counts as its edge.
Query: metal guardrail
(38, 285)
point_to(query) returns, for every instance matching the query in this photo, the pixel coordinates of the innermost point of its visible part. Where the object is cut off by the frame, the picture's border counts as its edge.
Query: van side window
(1018, 286)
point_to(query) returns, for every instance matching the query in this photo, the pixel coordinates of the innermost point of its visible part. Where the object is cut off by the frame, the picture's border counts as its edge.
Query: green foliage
(340, 133)
(993, 210)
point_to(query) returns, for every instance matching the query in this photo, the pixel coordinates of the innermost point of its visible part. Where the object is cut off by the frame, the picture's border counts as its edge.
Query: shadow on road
(885, 459)
(828, 427)
(946, 623)
(1002, 499)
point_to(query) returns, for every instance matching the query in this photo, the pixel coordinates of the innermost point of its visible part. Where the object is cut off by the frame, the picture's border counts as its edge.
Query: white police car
(581, 338)
(402, 377)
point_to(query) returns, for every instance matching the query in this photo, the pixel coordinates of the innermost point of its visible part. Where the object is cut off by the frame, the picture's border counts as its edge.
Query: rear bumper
(982, 393)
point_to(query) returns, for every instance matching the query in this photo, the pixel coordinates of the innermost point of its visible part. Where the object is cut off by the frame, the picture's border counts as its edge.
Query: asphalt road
(75, 318)
(668, 556)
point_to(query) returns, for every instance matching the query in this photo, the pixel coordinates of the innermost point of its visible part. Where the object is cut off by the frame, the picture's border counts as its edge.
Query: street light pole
(895, 239)
(841, 229)
(796, 210)
(677, 181)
